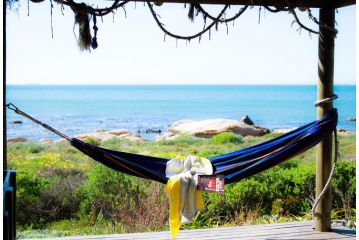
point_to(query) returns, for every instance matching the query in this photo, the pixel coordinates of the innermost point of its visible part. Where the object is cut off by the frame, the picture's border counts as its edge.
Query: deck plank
(279, 231)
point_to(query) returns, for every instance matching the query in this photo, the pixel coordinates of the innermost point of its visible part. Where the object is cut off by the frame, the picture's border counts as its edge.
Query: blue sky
(132, 50)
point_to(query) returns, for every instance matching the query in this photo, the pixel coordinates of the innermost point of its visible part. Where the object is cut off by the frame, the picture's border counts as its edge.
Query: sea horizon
(76, 109)
(171, 84)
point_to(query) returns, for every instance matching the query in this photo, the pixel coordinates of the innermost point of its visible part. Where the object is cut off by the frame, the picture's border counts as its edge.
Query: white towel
(185, 200)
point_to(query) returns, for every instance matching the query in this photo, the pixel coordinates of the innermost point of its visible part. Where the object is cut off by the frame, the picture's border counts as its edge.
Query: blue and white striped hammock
(234, 166)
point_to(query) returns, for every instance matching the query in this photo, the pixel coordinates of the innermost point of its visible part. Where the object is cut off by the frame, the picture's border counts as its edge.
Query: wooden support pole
(4, 155)
(325, 90)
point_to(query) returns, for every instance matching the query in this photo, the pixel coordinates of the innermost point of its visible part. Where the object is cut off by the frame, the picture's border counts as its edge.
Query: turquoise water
(80, 109)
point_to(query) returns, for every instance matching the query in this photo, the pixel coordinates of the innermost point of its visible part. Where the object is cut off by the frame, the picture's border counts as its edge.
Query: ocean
(81, 109)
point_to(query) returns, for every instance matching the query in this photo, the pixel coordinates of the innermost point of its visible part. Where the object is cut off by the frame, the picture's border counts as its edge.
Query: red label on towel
(213, 184)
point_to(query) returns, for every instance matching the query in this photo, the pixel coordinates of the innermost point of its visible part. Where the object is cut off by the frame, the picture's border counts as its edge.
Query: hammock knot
(12, 107)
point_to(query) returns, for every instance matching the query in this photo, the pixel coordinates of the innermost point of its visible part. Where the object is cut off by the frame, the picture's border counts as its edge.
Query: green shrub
(27, 147)
(183, 140)
(92, 141)
(28, 197)
(59, 200)
(344, 188)
(226, 137)
(134, 202)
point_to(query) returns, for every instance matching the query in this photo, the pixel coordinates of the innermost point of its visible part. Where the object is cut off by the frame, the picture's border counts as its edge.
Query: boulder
(104, 135)
(342, 131)
(98, 136)
(16, 122)
(61, 140)
(245, 119)
(283, 130)
(16, 140)
(119, 132)
(131, 136)
(46, 141)
(100, 130)
(211, 127)
(153, 130)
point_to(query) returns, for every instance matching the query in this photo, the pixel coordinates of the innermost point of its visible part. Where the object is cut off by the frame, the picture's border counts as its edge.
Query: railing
(9, 205)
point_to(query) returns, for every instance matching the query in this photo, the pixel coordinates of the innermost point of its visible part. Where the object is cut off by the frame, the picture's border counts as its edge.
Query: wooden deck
(288, 231)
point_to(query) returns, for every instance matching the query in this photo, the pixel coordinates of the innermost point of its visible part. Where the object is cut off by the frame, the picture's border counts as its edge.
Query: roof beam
(273, 3)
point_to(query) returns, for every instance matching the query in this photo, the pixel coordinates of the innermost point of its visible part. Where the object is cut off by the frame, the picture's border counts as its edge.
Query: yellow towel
(185, 200)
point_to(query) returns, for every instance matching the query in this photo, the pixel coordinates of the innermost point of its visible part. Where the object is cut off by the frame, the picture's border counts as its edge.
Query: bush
(134, 202)
(183, 140)
(49, 195)
(27, 147)
(344, 188)
(226, 137)
(28, 197)
(59, 200)
(92, 141)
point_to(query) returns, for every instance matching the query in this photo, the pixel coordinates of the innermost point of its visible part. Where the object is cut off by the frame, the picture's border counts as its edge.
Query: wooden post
(325, 90)
(4, 156)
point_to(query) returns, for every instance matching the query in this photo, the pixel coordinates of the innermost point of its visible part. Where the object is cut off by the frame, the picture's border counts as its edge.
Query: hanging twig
(221, 20)
(322, 25)
(90, 10)
(184, 37)
(301, 25)
(52, 28)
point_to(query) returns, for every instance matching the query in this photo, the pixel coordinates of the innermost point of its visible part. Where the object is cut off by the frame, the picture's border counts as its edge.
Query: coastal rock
(16, 122)
(46, 141)
(153, 130)
(352, 119)
(119, 132)
(131, 136)
(283, 130)
(106, 135)
(211, 127)
(342, 131)
(98, 136)
(16, 140)
(166, 136)
(61, 140)
(100, 130)
(245, 119)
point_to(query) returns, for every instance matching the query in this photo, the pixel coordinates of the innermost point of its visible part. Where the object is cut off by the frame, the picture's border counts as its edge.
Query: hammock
(234, 166)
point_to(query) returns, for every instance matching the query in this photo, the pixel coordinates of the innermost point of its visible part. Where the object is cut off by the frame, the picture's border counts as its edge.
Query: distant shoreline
(75, 109)
(57, 139)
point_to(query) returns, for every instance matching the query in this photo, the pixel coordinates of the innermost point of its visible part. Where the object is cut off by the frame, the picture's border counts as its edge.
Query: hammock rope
(336, 157)
(331, 175)
(325, 100)
(51, 129)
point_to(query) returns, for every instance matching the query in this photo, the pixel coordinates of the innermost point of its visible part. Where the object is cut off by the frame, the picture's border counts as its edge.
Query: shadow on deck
(287, 231)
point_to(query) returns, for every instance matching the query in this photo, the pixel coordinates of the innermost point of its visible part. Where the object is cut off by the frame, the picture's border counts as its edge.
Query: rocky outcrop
(104, 135)
(16, 140)
(46, 141)
(16, 122)
(245, 119)
(283, 130)
(211, 127)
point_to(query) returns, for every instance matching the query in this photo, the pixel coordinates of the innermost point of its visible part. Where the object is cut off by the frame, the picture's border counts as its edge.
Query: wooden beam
(325, 90)
(270, 3)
